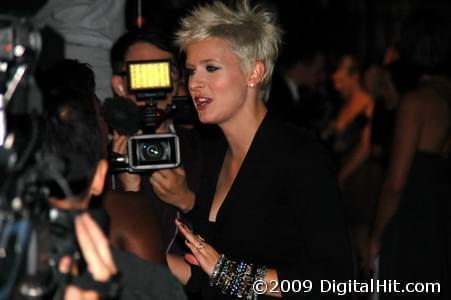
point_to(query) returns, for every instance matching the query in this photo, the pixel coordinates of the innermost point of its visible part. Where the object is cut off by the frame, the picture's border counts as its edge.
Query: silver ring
(200, 238)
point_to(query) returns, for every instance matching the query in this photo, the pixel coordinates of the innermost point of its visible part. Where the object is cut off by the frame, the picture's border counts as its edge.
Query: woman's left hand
(203, 255)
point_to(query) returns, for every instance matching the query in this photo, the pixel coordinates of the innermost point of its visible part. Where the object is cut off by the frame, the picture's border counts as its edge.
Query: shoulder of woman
(368, 105)
(417, 98)
(364, 103)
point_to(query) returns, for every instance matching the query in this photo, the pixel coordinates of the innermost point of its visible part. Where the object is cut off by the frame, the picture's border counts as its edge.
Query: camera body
(153, 151)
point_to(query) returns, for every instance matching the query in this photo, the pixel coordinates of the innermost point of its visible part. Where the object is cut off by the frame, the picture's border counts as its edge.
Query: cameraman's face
(145, 51)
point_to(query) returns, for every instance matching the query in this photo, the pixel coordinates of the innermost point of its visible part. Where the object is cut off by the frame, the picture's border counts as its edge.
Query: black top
(146, 280)
(416, 242)
(382, 130)
(282, 211)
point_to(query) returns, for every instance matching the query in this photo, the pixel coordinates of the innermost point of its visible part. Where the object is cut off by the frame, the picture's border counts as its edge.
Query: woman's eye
(211, 68)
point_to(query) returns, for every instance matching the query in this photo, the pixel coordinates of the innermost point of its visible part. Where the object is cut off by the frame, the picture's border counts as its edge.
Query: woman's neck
(241, 131)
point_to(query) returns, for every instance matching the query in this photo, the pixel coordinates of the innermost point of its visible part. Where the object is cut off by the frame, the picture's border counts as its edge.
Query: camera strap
(108, 290)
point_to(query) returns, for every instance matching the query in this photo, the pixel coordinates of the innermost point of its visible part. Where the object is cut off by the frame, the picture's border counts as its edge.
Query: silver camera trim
(131, 163)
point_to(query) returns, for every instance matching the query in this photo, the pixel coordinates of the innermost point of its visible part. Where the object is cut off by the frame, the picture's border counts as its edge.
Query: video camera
(26, 174)
(20, 104)
(150, 81)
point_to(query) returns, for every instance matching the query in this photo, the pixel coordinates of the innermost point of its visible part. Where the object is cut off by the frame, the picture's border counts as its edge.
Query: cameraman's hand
(96, 252)
(171, 187)
(130, 182)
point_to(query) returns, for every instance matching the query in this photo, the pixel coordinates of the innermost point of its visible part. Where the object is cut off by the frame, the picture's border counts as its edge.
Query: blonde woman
(268, 207)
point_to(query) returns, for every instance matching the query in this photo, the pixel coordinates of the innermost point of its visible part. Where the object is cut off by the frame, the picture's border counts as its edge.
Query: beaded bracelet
(236, 279)
(247, 282)
(216, 270)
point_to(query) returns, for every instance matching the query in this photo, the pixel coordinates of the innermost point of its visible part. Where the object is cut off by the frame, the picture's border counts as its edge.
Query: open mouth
(202, 102)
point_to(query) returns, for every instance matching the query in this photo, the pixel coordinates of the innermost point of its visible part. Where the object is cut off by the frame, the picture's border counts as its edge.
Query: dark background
(366, 27)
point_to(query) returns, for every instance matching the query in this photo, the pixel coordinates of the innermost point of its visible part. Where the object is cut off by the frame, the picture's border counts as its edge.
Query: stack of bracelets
(236, 279)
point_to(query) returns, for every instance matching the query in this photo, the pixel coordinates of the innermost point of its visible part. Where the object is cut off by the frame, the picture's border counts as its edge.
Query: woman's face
(216, 81)
(343, 81)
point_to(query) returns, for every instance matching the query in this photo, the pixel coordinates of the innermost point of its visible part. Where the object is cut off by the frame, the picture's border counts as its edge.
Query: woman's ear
(257, 73)
(118, 84)
(99, 177)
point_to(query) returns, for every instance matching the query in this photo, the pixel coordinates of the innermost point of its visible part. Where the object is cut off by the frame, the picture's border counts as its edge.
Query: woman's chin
(206, 119)
(211, 122)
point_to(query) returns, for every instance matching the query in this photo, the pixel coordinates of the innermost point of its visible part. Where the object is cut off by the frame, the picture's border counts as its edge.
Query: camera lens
(152, 152)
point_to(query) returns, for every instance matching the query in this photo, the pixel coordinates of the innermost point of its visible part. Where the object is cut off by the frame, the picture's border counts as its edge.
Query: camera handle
(153, 116)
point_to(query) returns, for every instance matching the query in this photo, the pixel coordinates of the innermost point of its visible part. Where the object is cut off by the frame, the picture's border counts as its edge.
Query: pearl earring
(251, 84)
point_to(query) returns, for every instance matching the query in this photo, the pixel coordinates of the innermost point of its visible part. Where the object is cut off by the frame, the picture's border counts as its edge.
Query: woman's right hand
(202, 254)
(130, 182)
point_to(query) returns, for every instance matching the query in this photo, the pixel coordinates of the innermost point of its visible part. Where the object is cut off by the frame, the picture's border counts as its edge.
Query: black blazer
(282, 211)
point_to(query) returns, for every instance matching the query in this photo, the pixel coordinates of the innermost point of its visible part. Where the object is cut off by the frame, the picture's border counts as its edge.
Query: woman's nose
(195, 82)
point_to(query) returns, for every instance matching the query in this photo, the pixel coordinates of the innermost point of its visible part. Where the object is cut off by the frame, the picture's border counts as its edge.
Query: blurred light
(150, 75)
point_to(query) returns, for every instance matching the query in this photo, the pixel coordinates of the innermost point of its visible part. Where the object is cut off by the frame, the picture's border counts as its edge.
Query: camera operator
(168, 185)
(139, 234)
(73, 115)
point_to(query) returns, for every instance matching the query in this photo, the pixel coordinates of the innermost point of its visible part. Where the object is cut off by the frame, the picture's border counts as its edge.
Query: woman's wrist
(188, 202)
(130, 182)
(236, 278)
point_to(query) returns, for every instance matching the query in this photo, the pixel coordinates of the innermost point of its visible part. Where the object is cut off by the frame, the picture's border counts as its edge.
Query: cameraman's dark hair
(72, 130)
(151, 36)
(72, 134)
(68, 74)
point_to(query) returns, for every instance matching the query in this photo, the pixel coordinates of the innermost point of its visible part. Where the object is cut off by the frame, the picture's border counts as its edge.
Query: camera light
(150, 75)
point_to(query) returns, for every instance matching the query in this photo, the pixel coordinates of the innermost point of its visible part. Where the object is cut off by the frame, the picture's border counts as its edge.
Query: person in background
(411, 232)
(296, 91)
(83, 167)
(165, 184)
(387, 84)
(126, 217)
(350, 138)
(89, 28)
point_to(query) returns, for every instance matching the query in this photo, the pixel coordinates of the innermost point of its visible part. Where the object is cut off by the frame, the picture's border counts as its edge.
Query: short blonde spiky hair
(251, 31)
